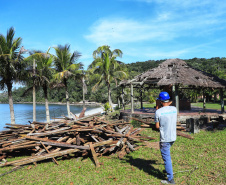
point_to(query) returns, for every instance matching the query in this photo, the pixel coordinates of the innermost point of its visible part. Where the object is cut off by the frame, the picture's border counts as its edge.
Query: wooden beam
(123, 102)
(141, 97)
(131, 94)
(94, 155)
(49, 152)
(204, 100)
(222, 100)
(179, 133)
(176, 97)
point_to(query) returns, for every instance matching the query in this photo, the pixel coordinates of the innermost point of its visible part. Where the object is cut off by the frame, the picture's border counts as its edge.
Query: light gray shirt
(167, 118)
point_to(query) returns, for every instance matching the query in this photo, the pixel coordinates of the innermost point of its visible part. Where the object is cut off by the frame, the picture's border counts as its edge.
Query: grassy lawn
(199, 104)
(204, 156)
(209, 105)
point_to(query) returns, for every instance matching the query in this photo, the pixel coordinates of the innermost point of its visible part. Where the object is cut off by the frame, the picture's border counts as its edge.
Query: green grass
(200, 104)
(145, 105)
(209, 105)
(207, 152)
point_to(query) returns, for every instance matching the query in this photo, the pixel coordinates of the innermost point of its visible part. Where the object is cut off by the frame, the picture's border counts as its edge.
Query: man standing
(166, 121)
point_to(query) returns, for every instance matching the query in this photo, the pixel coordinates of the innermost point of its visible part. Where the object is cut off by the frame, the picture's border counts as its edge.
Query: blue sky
(142, 29)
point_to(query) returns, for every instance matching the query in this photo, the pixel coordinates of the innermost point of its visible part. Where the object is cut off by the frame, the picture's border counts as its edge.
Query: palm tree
(43, 74)
(105, 65)
(11, 65)
(66, 67)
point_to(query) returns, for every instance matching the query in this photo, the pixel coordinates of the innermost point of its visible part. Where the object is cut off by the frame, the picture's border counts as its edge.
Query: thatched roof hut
(177, 72)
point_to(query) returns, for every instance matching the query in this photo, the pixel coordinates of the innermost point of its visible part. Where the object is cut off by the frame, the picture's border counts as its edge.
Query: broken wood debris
(90, 135)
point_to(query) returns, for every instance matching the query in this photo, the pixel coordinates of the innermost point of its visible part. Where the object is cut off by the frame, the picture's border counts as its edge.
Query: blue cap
(163, 96)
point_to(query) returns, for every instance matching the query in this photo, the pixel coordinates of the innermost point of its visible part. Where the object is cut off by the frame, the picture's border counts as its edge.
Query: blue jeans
(165, 151)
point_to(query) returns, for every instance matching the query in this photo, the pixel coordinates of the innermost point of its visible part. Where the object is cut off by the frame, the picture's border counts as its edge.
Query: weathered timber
(19, 147)
(94, 155)
(61, 130)
(40, 158)
(151, 125)
(42, 150)
(18, 144)
(50, 155)
(49, 152)
(44, 139)
(179, 133)
(65, 145)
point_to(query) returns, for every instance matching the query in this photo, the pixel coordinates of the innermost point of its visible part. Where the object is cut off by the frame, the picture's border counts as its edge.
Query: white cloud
(119, 30)
(190, 23)
(123, 31)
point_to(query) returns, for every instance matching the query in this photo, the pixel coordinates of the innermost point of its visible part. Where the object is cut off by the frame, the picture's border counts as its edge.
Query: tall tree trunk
(83, 92)
(67, 99)
(109, 97)
(46, 104)
(34, 94)
(12, 116)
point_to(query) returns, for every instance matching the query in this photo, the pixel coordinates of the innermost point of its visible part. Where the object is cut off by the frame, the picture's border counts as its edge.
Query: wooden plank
(49, 152)
(50, 155)
(66, 145)
(151, 125)
(94, 155)
(40, 158)
(19, 147)
(60, 139)
(179, 133)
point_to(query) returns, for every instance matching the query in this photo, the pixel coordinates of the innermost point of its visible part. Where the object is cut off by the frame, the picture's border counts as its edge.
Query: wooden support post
(131, 94)
(175, 96)
(222, 100)
(215, 97)
(204, 100)
(123, 103)
(141, 97)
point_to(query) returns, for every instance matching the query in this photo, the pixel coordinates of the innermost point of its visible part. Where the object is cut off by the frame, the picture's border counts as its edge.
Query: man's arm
(157, 125)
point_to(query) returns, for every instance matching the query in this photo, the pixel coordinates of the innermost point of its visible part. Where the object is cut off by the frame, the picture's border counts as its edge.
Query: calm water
(24, 112)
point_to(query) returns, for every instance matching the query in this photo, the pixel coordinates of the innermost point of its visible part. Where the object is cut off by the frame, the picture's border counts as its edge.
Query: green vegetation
(64, 75)
(204, 157)
(66, 68)
(101, 95)
(106, 68)
(209, 105)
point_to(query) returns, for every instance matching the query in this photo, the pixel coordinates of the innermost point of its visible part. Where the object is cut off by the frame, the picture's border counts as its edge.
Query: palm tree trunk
(46, 104)
(12, 116)
(109, 97)
(83, 92)
(34, 94)
(67, 99)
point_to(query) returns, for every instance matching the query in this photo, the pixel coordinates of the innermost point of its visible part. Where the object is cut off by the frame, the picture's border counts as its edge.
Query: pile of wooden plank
(88, 136)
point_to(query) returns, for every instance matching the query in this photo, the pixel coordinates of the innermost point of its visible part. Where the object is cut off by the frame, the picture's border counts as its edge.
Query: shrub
(151, 99)
(107, 107)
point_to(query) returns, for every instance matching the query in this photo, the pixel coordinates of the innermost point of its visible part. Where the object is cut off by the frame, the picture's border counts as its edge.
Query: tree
(11, 65)
(105, 65)
(66, 68)
(43, 74)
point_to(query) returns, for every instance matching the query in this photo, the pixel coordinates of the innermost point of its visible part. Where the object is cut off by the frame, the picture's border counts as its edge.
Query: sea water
(24, 112)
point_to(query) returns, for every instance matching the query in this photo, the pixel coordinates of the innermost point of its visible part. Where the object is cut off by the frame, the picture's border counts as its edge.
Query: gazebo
(173, 75)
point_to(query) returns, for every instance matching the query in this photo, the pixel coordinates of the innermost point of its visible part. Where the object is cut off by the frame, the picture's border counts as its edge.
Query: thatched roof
(177, 72)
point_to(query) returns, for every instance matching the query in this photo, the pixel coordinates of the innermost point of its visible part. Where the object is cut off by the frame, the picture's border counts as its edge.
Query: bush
(107, 107)
(151, 99)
